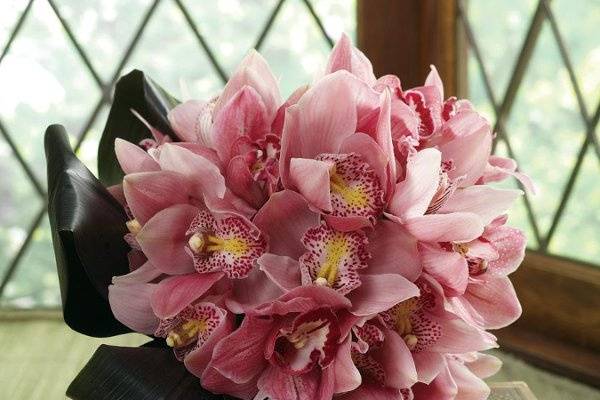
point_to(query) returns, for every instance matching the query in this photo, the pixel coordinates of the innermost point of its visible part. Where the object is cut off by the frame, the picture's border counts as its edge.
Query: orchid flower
(344, 173)
(373, 270)
(294, 348)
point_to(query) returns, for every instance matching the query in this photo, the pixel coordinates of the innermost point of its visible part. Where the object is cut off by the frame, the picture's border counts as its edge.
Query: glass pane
(500, 27)
(295, 47)
(577, 234)
(578, 23)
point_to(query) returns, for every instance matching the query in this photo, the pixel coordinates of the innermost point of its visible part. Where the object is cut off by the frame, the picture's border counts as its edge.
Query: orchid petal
(345, 56)
(130, 304)
(163, 239)
(284, 219)
(150, 192)
(413, 195)
(175, 293)
(449, 268)
(454, 227)
(192, 121)
(133, 158)
(347, 376)
(243, 115)
(283, 271)
(253, 71)
(397, 361)
(378, 293)
(485, 201)
(393, 251)
(311, 178)
(207, 178)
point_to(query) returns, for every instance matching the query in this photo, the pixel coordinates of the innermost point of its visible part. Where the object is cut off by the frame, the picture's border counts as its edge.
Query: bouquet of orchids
(343, 243)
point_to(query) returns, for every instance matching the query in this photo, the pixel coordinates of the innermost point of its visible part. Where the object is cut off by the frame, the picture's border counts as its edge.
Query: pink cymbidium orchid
(344, 173)
(432, 206)
(407, 343)
(294, 348)
(374, 270)
(489, 299)
(243, 126)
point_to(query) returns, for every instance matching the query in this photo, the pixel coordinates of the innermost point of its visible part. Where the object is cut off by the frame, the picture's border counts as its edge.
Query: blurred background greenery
(43, 80)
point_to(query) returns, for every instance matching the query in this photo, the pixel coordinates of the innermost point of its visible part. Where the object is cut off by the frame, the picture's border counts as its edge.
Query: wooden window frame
(560, 326)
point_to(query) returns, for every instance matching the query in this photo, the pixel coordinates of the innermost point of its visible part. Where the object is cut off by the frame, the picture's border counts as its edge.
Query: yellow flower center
(186, 333)
(354, 196)
(200, 242)
(336, 250)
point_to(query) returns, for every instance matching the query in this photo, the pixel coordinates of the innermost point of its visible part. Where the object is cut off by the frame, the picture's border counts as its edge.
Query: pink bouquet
(343, 243)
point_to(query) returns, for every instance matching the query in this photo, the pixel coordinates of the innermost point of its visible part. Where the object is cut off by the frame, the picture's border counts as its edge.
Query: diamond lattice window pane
(245, 21)
(295, 47)
(42, 80)
(500, 27)
(578, 22)
(35, 283)
(545, 127)
(577, 233)
(103, 28)
(170, 54)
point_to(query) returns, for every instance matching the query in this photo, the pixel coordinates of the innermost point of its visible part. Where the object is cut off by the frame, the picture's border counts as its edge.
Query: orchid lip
(186, 334)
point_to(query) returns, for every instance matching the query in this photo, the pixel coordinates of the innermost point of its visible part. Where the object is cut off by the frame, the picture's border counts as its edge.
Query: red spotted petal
(333, 258)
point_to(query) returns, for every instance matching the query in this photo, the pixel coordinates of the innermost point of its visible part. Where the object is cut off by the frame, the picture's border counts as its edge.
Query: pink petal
(276, 384)
(284, 219)
(243, 115)
(346, 374)
(207, 152)
(150, 192)
(348, 224)
(143, 274)
(197, 361)
(216, 383)
(510, 244)
(397, 361)
(470, 387)
(469, 153)
(449, 268)
(175, 293)
(460, 337)
(133, 158)
(455, 227)
(192, 121)
(311, 178)
(242, 183)
(428, 365)
(484, 365)
(253, 71)
(207, 178)
(320, 121)
(486, 201)
(163, 239)
(384, 134)
(252, 291)
(277, 126)
(344, 56)
(370, 152)
(443, 386)
(240, 356)
(461, 124)
(283, 271)
(433, 79)
(492, 304)
(500, 168)
(413, 195)
(303, 299)
(378, 293)
(393, 251)
(130, 304)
